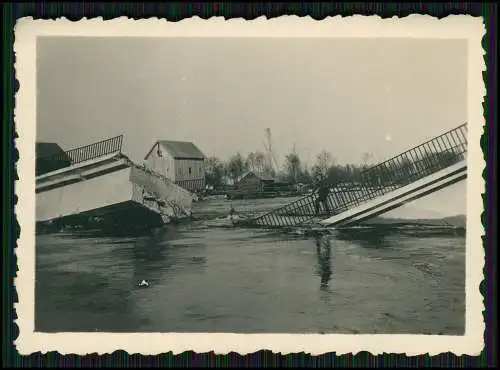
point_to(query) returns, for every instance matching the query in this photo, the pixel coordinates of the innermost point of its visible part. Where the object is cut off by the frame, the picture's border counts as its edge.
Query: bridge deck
(398, 197)
(99, 177)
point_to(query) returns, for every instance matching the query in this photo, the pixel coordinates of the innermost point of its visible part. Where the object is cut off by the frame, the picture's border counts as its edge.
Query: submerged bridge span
(415, 173)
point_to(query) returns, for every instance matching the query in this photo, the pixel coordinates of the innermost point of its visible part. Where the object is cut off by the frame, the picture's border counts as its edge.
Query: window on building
(189, 170)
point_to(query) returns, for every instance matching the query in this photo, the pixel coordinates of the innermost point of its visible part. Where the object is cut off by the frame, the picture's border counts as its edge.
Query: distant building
(50, 157)
(254, 184)
(180, 161)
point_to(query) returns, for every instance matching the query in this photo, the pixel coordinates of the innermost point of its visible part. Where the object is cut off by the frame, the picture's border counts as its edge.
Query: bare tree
(236, 166)
(214, 172)
(324, 160)
(366, 158)
(250, 162)
(292, 166)
(260, 161)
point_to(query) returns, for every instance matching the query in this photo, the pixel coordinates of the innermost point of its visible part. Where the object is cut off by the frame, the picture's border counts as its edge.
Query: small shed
(256, 182)
(50, 157)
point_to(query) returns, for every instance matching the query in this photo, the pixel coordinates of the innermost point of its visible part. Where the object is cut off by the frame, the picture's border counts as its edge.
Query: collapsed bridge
(415, 173)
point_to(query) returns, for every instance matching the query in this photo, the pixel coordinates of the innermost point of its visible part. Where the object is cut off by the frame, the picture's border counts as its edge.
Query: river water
(208, 278)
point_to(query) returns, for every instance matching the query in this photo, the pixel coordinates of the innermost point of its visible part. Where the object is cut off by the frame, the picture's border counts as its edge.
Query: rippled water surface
(207, 278)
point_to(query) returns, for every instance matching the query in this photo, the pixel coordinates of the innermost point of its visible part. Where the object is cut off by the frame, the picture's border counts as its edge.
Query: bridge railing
(92, 151)
(403, 169)
(412, 165)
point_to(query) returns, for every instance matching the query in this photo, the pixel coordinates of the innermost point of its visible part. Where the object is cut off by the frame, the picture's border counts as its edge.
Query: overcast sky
(348, 96)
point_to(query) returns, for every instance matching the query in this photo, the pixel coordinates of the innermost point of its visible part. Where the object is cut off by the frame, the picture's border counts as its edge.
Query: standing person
(322, 197)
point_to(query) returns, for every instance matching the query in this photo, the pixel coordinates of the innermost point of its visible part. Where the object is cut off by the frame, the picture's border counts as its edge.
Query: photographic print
(287, 184)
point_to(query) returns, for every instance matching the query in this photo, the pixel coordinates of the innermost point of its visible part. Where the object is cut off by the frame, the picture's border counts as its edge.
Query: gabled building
(254, 184)
(50, 157)
(180, 161)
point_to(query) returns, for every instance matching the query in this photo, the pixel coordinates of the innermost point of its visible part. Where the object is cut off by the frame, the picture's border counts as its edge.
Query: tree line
(294, 170)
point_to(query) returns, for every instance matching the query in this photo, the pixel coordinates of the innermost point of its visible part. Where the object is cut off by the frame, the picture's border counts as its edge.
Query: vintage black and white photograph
(253, 185)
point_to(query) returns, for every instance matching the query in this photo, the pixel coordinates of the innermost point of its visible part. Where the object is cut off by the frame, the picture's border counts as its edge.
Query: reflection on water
(208, 279)
(324, 253)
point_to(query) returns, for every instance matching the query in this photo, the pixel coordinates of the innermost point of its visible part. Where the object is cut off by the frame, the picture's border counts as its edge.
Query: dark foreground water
(206, 278)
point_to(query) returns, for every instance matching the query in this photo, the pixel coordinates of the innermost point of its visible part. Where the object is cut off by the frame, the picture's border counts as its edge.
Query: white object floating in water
(144, 283)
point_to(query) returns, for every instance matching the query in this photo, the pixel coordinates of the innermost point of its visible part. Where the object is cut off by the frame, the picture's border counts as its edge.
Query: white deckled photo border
(415, 26)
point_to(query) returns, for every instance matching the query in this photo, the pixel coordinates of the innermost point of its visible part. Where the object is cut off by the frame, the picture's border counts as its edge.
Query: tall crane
(272, 161)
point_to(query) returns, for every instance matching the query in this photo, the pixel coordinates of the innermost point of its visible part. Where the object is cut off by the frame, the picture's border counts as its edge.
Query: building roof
(180, 149)
(49, 151)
